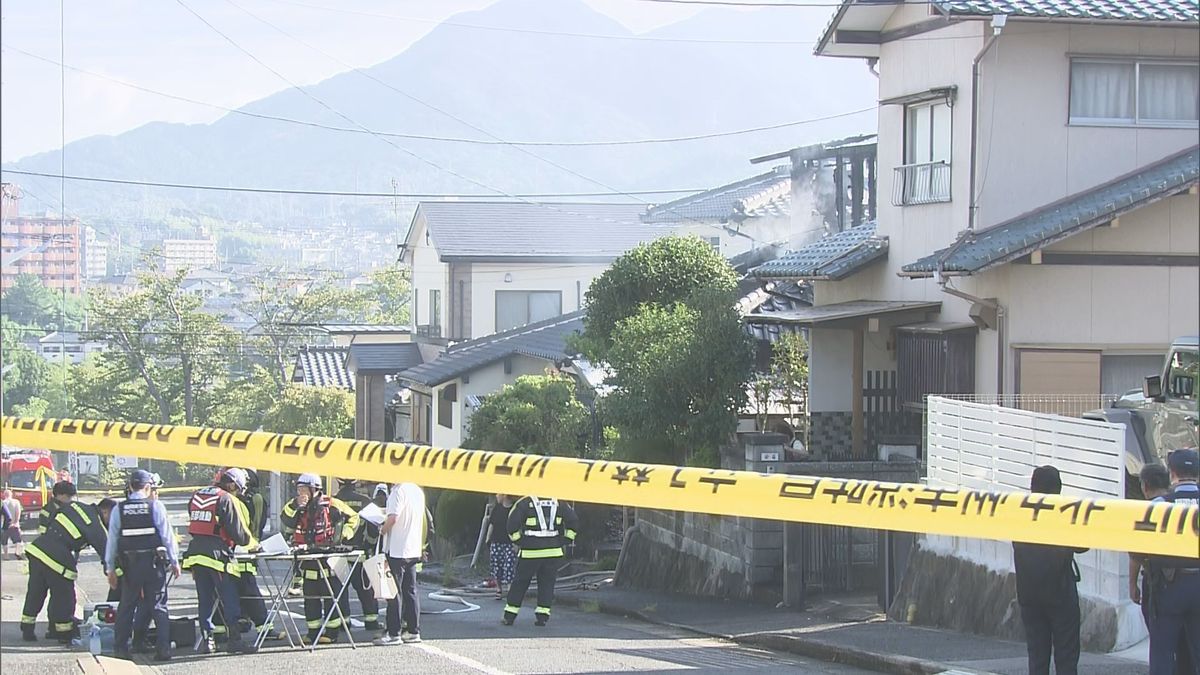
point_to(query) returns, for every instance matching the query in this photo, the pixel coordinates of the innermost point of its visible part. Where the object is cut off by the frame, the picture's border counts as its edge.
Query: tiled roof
(545, 339)
(323, 367)
(763, 194)
(350, 328)
(482, 231)
(770, 298)
(831, 258)
(1092, 10)
(383, 359)
(1054, 222)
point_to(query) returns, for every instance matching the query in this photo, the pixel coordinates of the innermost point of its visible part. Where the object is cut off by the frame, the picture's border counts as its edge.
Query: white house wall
(572, 280)
(428, 272)
(483, 382)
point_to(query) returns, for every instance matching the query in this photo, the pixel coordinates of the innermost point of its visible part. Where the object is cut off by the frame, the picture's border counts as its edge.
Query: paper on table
(275, 544)
(372, 513)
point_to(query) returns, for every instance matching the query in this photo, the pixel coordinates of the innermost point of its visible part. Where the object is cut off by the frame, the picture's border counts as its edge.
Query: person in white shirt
(11, 533)
(404, 533)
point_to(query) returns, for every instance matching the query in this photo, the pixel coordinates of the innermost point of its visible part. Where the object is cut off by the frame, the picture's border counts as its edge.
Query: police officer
(314, 520)
(62, 493)
(254, 609)
(541, 527)
(1175, 581)
(141, 543)
(218, 522)
(53, 563)
(365, 538)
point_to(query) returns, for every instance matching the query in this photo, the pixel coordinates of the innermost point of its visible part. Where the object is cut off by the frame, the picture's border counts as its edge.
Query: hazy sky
(159, 45)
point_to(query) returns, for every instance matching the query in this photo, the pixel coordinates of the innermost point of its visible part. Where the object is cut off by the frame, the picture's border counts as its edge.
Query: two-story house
(480, 268)
(1041, 234)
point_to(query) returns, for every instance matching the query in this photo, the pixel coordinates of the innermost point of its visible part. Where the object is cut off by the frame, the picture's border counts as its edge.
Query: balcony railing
(429, 330)
(927, 183)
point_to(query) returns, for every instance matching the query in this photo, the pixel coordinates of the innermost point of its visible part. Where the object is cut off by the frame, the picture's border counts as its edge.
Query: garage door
(1122, 372)
(1059, 381)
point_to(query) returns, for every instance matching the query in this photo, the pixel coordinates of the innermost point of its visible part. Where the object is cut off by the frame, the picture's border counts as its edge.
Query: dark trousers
(43, 581)
(114, 594)
(1175, 624)
(211, 585)
(1052, 628)
(366, 596)
(254, 609)
(143, 595)
(1183, 655)
(406, 606)
(546, 572)
(317, 601)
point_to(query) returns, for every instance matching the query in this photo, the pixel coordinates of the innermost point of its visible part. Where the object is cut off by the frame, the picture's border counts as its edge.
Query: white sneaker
(410, 638)
(387, 640)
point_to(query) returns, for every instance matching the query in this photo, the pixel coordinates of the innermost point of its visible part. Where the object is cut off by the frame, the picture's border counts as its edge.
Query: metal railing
(926, 183)
(1068, 405)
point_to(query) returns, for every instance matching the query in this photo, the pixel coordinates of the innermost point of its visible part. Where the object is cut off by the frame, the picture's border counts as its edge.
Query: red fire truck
(30, 475)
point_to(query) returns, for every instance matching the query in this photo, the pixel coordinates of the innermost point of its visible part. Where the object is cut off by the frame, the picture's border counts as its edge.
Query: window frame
(1136, 122)
(1189, 371)
(526, 293)
(435, 308)
(930, 103)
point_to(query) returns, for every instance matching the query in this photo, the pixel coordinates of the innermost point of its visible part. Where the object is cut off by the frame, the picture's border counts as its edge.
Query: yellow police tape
(1116, 524)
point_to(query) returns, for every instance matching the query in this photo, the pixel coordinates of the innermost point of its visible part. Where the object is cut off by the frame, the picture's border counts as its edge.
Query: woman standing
(503, 554)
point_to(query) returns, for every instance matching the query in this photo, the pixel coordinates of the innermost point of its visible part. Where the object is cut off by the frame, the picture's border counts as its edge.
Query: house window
(447, 397)
(435, 309)
(924, 178)
(517, 308)
(715, 242)
(1135, 92)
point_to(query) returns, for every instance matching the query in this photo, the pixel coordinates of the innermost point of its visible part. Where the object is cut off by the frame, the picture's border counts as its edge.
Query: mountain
(512, 85)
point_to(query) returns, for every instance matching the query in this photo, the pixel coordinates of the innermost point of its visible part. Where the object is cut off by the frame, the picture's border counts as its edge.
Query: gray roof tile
(1092, 10)
(383, 359)
(765, 194)
(831, 258)
(770, 298)
(545, 339)
(323, 367)
(1065, 218)
(499, 231)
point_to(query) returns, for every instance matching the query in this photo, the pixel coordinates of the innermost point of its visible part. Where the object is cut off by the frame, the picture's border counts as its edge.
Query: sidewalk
(851, 631)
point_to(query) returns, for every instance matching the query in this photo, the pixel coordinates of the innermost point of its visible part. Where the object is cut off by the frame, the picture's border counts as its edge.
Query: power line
(340, 193)
(448, 139)
(554, 33)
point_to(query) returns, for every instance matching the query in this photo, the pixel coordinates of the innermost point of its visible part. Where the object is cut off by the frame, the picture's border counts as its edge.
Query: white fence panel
(979, 446)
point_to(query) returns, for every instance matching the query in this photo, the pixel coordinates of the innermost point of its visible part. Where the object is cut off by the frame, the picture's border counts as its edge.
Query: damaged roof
(830, 258)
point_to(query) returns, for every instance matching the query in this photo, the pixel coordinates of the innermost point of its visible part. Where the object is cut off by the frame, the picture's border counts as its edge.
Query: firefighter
(218, 522)
(314, 520)
(541, 528)
(254, 609)
(62, 493)
(365, 538)
(53, 563)
(142, 543)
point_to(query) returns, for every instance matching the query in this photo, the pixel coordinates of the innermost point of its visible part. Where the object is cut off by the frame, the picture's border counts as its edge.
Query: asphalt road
(576, 641)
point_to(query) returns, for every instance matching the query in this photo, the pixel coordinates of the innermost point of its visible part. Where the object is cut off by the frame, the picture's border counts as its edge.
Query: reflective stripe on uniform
(87, 520)
(120, 572)
(531, 522)
(544, 534)
(313, 624)
(53, 564)
(515, 536)
(316, 574)
(542, 610)
(138, 531)
(25, 618)
(334, 624)
(512, 609)
(536, 553)
(370, 617)
(65, 520)
(218, 629)
(211, 563)
(65, 626)
(571, 535)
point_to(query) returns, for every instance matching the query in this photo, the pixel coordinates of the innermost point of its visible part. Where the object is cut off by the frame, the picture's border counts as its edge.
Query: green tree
(315, 411)
(679, 378)
(287, 310)
(158, 335)
(663, 319)
(537, 414)
(28, 302)
(789, 377)
(388, 296)
(31, 386)
(662, 272)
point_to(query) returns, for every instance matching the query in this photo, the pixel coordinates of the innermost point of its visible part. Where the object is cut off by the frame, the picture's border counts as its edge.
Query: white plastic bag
(379, 575)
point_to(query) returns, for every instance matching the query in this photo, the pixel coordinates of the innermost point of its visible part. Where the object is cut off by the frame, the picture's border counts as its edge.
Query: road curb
(814, 648)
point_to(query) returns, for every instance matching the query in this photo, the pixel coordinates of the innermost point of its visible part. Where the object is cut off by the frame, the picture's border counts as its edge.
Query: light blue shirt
(159, 513)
